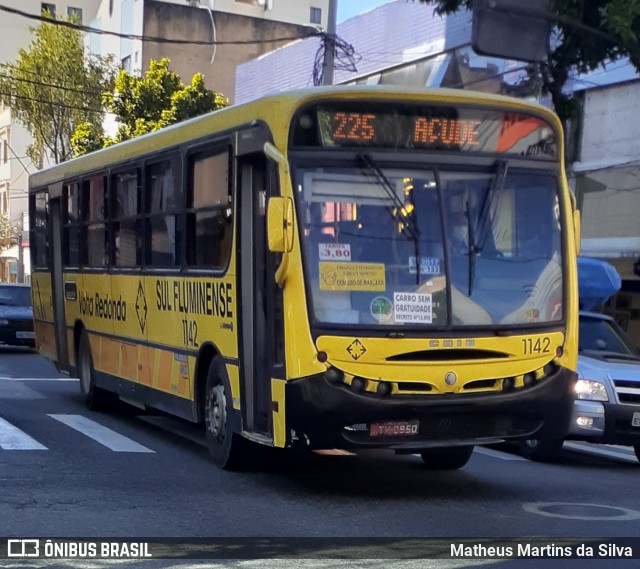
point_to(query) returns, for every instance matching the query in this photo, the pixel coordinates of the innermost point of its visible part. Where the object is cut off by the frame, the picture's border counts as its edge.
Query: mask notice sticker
(352, 276)
(412, 308)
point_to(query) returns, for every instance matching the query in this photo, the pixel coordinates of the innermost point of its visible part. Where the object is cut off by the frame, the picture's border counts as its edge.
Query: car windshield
(15, 296)
(396, 246)
(603, 335)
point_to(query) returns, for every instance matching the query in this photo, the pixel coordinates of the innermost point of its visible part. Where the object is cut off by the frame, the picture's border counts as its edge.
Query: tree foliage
(586, 35)
(52, 87)
(148, 103)
(8, 233)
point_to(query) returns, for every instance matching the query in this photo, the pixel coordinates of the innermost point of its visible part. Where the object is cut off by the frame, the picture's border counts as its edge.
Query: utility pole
(330, 44)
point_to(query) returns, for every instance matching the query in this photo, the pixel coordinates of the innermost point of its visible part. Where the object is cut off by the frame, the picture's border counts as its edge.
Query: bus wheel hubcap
(85, 373)
(217, 417)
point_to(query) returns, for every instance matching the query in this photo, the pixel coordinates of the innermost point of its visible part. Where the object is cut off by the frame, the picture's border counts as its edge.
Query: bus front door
(57, 284)
(256, 284)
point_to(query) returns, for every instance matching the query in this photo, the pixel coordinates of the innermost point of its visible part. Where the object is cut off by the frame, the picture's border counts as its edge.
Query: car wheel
(450, 458)
(226, 447)
(541, 450)
(94, 397)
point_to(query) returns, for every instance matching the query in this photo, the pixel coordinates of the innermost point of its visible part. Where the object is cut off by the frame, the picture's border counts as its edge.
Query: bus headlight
(591, 390)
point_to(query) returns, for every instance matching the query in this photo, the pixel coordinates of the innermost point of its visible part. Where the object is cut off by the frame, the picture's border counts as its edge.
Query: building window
(75, 15)
(48, 10)
(4, 146)
(4, 204)
(315, 17)
(125, 64)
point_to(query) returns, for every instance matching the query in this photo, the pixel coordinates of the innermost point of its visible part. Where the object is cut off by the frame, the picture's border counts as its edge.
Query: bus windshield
(423, 247)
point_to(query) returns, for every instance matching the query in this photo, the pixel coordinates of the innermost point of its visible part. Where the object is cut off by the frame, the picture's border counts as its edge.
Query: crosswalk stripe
(12, 438)
(115, 441)
(497, 454)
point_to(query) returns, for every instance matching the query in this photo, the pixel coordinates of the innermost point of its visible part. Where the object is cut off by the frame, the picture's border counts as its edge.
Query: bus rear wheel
(226, 447)
(541, 450)
(450, 458)
(94, 398)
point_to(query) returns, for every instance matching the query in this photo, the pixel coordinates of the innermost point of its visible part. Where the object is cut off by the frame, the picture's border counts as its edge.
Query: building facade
(245, 29)
(15, 166)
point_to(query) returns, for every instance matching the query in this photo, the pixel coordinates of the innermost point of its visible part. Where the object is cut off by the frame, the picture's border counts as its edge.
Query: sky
(349, 8)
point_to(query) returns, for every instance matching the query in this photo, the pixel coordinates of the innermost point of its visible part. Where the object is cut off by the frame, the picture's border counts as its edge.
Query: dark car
(16, 315)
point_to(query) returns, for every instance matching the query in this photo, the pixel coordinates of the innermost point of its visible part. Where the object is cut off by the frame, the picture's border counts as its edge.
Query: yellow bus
(342, 267)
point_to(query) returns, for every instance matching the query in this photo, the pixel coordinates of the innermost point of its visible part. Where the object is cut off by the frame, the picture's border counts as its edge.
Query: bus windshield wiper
(408, 226)
(487, 213)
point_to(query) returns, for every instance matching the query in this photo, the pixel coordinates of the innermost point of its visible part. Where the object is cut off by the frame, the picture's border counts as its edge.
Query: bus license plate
(635, 420)
(393, 429)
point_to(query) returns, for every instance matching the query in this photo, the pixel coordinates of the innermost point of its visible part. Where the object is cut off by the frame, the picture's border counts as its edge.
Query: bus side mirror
(280, 225)
(576, 229)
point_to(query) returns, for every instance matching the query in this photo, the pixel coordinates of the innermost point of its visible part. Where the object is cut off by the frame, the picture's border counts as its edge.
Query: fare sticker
(334, 252)
(412, 308)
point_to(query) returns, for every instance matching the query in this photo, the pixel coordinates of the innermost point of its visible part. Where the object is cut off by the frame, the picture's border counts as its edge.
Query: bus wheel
(637, 449)
(446, 458)
(94, 397)
(541, 450)
(225, 446)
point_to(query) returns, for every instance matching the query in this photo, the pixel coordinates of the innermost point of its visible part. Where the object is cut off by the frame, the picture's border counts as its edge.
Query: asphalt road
(67, 472)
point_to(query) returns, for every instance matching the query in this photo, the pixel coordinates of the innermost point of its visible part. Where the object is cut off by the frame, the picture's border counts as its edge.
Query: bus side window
(94, 234)
(126, 228)
(209, 209)
(162, 225)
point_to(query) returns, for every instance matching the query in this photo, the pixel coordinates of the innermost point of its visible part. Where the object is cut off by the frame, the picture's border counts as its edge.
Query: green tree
(54, 86)
(586, 35)
(148, 103)
(8, 233)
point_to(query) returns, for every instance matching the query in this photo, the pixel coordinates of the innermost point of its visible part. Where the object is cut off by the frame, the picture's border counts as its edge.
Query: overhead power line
(57, 104)
(153, 39)
(43, 84)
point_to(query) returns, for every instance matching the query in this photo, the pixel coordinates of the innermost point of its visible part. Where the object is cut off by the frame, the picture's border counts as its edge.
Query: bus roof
(276, 110)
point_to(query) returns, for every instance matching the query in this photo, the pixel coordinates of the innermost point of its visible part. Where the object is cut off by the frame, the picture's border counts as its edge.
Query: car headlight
(591, 390)
(4, 322)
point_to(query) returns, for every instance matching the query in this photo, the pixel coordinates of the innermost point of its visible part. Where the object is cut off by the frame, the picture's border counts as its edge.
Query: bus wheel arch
(226, 446)
(203, 361)
(93, 396)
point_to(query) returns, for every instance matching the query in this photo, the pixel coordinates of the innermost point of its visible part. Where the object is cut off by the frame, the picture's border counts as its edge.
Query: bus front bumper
(321, 414)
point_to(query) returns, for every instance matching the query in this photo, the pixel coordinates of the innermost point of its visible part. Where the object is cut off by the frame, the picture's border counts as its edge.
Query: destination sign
(451, 128)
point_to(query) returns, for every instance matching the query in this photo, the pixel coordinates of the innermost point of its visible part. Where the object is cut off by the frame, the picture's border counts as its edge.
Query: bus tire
(226, 447)
(450, 458)
(541, 450)
(93, 397)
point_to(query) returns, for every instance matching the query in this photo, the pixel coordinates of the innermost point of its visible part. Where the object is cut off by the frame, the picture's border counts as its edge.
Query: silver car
(607, 405)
